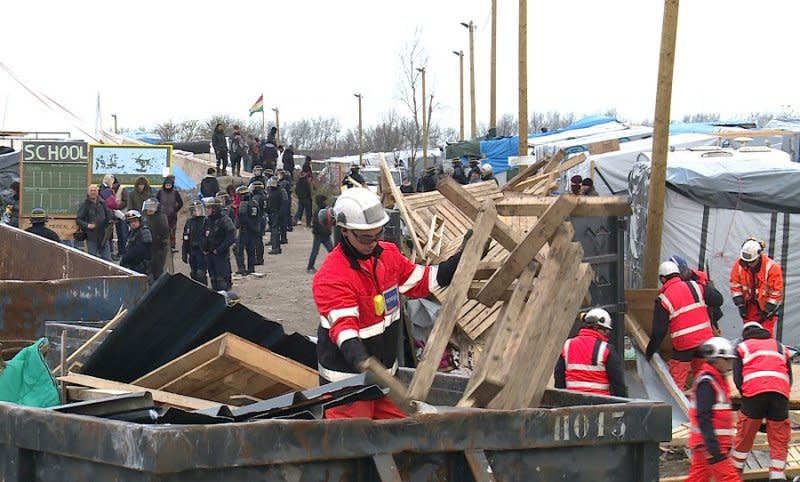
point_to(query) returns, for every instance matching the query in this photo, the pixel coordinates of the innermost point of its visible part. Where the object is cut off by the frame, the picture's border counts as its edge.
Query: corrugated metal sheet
(176, 316)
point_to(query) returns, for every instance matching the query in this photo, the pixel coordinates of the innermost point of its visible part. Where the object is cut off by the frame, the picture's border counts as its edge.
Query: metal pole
(424, 122)
(360, 133)
(116, 131)
(460, 54)
(523, 78)
(472, 79)
(658, 171)
(493, 74)
(277, 126)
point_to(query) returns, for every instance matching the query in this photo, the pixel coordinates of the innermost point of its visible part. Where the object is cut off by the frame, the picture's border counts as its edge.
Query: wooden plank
(486, 321)
(105, 329)
(377, 373)
(524, 174)
(554, 161)
(479, 465)
(542, 295)
(269, 364)
(165, 398)
(468, 205)
(486, 269)
(527, 249)
(641, 339)
(476, 286)
(409, 215)
(443, 327)
(169, 372)
(491, 375)
(585, 206)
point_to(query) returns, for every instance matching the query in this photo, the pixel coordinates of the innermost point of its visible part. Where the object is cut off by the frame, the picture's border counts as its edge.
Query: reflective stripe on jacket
(722, 418)
(763, 367)
(689, 323)
(768, 283)
(585, 358)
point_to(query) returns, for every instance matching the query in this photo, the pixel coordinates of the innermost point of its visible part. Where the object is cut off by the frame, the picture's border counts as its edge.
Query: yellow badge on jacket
(380, 304)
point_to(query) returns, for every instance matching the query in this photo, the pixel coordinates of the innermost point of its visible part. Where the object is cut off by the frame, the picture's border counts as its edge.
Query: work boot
(284, 241)
(275, 251)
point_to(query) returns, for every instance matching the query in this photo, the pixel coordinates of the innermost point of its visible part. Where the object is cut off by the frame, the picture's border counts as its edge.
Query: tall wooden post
(474, 121)
(658, 171)
(360, 133)
(523, 78)
(460, 54)
(424, 121)
(493, 73)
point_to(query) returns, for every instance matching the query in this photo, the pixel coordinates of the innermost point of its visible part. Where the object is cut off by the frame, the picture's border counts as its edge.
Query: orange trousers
(778, 435)
(702, 471)
(380, 409)
(680, 370)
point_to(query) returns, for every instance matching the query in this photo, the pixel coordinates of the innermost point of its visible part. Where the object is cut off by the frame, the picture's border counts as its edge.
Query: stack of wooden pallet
(533, 261)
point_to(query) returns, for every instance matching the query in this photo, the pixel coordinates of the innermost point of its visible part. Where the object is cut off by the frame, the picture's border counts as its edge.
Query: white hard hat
(751, 249)
(486, 167)
(752, 324)
(717, 347)
(598, 317)
(360, 209)
(668, 268)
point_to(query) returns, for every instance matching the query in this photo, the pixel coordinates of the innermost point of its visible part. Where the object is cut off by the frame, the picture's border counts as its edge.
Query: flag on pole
(258, 106)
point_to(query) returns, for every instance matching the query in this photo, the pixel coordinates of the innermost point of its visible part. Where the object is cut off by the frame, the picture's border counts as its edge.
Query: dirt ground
(284, 294)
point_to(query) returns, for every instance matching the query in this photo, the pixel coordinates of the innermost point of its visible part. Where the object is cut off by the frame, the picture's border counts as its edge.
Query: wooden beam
(479, 465)
(467, 204)
(486, 269)
(586, 206)
(658, 170)
(527, 249)
(409, 215)
(554, 161)
(165, 398)
(105, 329)
(378, 374)
(491, 375)
(523, 175)
(448, 315)
(477, 286)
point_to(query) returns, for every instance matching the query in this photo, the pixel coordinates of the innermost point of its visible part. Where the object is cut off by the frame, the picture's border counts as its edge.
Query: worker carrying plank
(762, 371)
(757, 285)
(357, 291)
(588, 363)
(681, 309)
(711, 416)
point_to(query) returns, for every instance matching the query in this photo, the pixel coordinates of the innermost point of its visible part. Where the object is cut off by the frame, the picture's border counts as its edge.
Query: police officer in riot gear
(219, 234)
(250, 215)
(191, 251)
(38, 220)
(138, 250)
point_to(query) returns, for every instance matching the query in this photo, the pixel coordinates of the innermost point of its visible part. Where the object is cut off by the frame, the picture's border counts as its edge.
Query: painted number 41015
(596, 425)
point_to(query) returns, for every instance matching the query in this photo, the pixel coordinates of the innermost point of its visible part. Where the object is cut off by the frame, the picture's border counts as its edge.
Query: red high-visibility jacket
(763, 367)
(585, 358)
(765, 287)
(722, 414)
(689, 323)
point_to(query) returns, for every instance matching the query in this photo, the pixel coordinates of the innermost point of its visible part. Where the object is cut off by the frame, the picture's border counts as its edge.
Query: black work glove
(184, 258)
(648, 356)
(743, 312)
(717, 458)
(771, 309)
(447, 268)
(354, 352)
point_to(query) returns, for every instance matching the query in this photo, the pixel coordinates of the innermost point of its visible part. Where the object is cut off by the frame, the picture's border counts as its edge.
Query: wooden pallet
(228, 366)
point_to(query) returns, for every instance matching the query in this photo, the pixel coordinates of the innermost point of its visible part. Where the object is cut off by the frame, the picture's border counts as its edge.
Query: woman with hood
(140, 193)
(171, 203)
(220, 145)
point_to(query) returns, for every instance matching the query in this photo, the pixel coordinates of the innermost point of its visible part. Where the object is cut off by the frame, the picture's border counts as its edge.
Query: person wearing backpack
(238, 151)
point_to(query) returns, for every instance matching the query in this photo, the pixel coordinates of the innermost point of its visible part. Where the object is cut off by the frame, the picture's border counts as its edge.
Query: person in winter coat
(321, 229)
(487, 174)
(95, 220)
(428, 181)
(209, 186)
(121, 225)
(109, 197)
(139, 251)
(458, 172)
(219, 234)
(303, 190)
(588, 363)
(249, 216)
(38, 221)
(269, 155)
(307, 168)
(140, 193)
(275, 203)
(238, 151)
(288, 161)
(220, 145)
(191, 251)
(156, 220)
(171, 203)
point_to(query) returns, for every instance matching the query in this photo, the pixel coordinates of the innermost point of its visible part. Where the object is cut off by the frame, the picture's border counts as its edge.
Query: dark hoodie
(136, 198)
(170, 199)
(320, 230)
(209, 186)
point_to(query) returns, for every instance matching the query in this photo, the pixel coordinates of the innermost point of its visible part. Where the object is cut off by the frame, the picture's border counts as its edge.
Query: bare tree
(550, 120)
(189, 130)
(701, 117)
(412, 58)
(167, 131)
(507, 125)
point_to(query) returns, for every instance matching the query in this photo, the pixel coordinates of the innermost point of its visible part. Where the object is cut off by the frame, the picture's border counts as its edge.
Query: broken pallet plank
(524, 175)
(166, 398)
(409, 215)
(586, 206)
(527, 249)
(457, 292)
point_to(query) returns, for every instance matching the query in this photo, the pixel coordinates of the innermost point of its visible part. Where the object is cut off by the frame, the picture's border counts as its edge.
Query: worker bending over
(762, 371)
(711, 416)
(682, 310)
(588, 363)
(357, 291)
(757, 285)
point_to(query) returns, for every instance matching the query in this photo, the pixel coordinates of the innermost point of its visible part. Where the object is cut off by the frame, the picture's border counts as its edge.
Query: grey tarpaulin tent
(715, 200)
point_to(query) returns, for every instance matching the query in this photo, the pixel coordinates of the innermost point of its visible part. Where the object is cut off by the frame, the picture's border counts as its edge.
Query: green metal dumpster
(574, 437)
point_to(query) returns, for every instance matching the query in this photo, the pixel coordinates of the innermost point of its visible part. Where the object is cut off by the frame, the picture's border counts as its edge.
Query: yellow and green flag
(258, 106)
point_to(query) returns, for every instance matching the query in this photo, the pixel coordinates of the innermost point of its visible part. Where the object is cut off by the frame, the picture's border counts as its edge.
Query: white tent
(714, 201)
(610, 170)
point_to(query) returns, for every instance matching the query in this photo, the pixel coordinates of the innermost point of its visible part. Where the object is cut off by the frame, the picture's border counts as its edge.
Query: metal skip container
(576, 437)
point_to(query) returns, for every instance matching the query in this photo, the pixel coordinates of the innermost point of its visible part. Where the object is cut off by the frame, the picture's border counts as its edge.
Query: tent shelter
(715, 199)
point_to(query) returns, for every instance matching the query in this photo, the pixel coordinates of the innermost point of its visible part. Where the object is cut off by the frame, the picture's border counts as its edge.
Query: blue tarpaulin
(182, 180)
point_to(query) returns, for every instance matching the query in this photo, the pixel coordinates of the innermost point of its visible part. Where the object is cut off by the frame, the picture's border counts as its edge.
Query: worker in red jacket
(682, 309)
(357, 291)
(701, 277)
(711, 416)
(762, 372)
(757, 285)
(587, 363)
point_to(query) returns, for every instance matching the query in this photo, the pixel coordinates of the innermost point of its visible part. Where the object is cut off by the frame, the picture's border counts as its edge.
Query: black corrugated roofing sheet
(177, 315)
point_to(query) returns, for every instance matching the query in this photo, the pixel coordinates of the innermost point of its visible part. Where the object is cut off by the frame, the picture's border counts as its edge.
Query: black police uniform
(138, 250)
(191, 251)
(250, 215)
(275, 207)
(40, 229)
(218, 236)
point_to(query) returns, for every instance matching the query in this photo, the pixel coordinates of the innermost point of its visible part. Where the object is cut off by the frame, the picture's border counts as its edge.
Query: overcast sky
(153, 61)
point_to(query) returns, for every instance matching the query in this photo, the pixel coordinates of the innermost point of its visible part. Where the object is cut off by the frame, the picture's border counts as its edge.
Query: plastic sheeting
(580, 144)
(709, 235)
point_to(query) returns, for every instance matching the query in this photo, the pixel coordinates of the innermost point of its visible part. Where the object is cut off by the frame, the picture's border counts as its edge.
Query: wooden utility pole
(658, 170)
(277, 126)
(493, 74)
(523, 78)
(116, 130)
(360, 133)
(474, 126)
(460, 54)
(424, 122)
